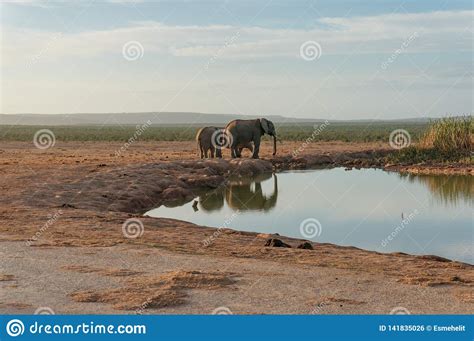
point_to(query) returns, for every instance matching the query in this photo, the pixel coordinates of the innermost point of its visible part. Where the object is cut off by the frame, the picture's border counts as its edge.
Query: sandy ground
(62, 244)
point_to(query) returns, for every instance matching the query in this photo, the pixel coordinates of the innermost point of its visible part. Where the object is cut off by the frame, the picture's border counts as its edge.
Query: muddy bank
(428, 169)
(138, 187)
(60, 203)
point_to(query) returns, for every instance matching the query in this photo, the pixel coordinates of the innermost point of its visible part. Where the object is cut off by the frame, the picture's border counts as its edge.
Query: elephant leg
(212, 152)
(256, 148)
(202, 152)
(205, 153)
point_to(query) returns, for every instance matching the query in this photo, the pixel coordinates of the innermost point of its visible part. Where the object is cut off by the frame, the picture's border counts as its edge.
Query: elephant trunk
(274, 144)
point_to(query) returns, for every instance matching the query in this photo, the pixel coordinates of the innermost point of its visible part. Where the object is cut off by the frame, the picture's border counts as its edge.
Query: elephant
(241, 196)
(204, 139)
(242, 132)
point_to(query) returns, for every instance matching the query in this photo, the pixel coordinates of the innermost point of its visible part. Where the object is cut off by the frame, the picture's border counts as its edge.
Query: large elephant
(241, 195)
(204, 139)
(242, 132)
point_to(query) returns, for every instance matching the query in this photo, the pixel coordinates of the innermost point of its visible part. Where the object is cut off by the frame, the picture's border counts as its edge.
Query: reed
(450, 134)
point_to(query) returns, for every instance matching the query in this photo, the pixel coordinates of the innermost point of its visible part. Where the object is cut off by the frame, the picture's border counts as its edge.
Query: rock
(273, 242)
(176, 193)
(306, 246)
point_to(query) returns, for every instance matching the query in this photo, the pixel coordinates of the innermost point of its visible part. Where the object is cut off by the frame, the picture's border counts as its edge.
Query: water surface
(368, 208)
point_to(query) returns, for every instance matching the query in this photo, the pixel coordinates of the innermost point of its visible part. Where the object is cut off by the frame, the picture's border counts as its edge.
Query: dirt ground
(64, 245)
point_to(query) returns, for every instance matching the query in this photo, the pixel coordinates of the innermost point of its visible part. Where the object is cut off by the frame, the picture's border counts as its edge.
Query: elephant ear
(264, 124)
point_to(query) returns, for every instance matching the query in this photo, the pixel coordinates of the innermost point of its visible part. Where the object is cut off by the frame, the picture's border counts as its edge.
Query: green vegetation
(447, 139)
(339, 131)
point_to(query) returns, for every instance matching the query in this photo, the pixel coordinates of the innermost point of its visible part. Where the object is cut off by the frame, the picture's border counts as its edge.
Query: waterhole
(370, 209)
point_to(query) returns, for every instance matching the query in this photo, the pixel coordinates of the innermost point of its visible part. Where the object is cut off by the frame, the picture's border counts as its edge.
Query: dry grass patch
(6, 278)
(105, 272)
(431, 281)
(155, 291)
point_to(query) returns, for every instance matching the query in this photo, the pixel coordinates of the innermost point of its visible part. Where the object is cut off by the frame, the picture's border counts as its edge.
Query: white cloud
(437, 31)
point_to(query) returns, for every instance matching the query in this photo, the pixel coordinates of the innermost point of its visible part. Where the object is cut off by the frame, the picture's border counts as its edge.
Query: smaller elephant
(212, 139)
(243, 146)
(204, 139)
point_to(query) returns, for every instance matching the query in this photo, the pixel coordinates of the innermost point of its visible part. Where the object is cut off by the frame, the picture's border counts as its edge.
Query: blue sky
(373, 59)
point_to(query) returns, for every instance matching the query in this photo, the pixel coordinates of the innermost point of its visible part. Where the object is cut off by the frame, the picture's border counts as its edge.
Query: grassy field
(348, 132)
(447, 139)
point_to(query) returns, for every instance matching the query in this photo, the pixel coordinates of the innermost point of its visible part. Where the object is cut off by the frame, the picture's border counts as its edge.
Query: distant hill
(163, 118)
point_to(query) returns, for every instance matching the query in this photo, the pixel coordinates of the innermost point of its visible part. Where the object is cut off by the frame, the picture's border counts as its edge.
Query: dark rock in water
(273, 242)
(66, 205)
(305, 245)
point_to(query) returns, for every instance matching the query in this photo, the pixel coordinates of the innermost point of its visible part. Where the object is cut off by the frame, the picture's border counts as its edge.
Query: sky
(310, 59)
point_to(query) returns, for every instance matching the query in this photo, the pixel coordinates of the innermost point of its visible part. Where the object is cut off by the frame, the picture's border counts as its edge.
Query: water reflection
(358, 208)
(447, 189)
(241, 194)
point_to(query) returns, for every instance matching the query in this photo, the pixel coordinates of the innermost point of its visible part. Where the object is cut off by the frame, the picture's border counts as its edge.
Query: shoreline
(93, 193)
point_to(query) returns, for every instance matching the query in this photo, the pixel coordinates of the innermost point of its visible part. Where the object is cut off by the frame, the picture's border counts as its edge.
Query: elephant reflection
(242, 195)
